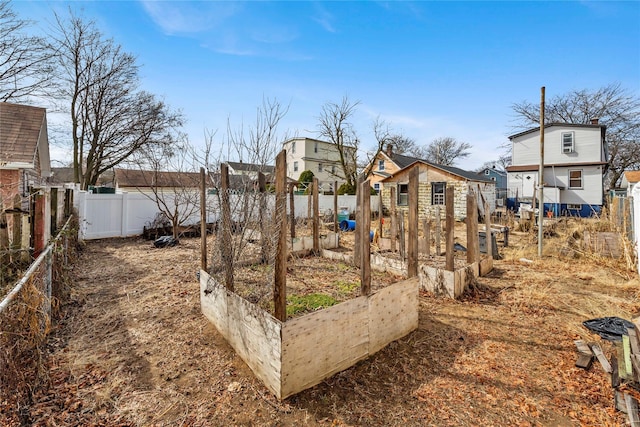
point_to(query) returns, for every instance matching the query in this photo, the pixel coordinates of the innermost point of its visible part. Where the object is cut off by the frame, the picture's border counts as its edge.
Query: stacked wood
(624, 369)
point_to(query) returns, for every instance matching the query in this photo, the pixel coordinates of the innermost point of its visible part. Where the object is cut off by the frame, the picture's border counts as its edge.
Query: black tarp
(609, 328)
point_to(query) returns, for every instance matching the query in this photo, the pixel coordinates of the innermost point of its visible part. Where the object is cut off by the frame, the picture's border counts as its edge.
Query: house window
(319, 167)
(403, 194)
(487, 172)
(575, 179)
(295, 166)
(437, 192)
(567, 142)
(380, 165)
(293, 147)
(376, 187)
(315, 147)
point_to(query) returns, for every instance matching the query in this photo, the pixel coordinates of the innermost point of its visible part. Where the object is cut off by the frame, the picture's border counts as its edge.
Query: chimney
(594, 121)
(389, 149)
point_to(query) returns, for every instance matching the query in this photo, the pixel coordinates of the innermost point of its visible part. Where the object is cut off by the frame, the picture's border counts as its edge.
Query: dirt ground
(135, 350)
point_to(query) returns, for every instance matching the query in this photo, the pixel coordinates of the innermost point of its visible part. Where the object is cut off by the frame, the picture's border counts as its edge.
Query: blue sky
(430, 69)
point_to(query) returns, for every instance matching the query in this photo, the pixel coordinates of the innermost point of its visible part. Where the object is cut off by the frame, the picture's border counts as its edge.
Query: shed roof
(404, 161)
(251, 167)
(23, 130)
(144, 178)
(566, 125)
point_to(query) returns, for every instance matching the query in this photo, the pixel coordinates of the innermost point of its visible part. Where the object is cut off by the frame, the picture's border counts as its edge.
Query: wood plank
(438, 231)
(335, 207)
(584, 361)
(394, 219)
(292, 214)
(626, 349)
(618, 401)
(365, 242)
(450, 226)
(473, 249)
(412, 249)
(393, 313)
(280, 219)
(582, 347)
(633, 340)
(632, 410)
(597, 350)
(343, 331)
(203, 220)
(316, 217)
(427, 236)
(487, 226)
(615, 378)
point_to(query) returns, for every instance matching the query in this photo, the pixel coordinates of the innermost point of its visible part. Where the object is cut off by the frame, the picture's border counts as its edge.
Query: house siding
(587, 144)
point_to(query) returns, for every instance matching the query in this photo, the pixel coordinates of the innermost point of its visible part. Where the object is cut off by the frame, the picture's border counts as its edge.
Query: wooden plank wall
(393, 313)
(253, 333)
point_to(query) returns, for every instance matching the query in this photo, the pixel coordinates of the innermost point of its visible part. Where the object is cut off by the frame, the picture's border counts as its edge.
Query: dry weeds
(134, 349)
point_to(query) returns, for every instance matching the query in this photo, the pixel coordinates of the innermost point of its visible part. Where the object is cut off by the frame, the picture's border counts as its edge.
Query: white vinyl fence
(126, 214)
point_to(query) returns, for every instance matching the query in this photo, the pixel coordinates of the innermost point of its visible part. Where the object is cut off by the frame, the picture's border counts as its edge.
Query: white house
(575, 161)
(629, 180)
(320, 157)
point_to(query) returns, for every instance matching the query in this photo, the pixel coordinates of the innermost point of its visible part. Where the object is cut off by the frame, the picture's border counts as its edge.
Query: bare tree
(112, 121)
(613, 106)
(446, 151)
(25, 61)
(172, 183)
(334, 125)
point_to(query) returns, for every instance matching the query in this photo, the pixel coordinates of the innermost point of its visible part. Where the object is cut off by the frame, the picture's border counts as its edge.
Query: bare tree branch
(446, 151)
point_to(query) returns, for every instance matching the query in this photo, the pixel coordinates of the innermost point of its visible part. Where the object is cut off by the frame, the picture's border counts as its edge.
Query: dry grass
(134, 349)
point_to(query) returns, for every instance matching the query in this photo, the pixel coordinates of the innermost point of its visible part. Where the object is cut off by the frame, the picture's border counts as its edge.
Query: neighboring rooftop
(22, 127)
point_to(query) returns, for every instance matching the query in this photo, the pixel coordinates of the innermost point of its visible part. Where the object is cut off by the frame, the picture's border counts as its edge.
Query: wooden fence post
(358, 235)
(450, 225)
(292, 215)
(438, 231)
(394, 219)
(4, 239)
(225, 240)
(316, 217)
(472, 228)
(203, 220)
(365, 251)
(54, 211)
(16, 244)
(487, 226)
(412, 264)
(426, 230)
(264, 241)
(39, 223)
(280, 220)
(335, 206)
(402, 243)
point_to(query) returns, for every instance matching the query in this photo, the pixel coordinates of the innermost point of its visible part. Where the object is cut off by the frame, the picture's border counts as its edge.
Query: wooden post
(472, 228)
(359, 204)
(225, 244)
(487, 226)
(16, 243)
(264, 241)
(292, 210)
(309, 202)
(4, 240)
(426, 229)
(412, 263)
(54, 211)
(450, 225)
(402, 238)
(316, 217)
(365, 252)
(280, 219)
(68, 202)
(335, 206)
(438, 231)
(203, 220)
(394, 219)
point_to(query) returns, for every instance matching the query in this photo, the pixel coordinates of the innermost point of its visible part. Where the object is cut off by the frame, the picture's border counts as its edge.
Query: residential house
(147, 182)
(64, 175)
(500, 178)
(24, 151)
(385, 164)
(575, 161)
(432, 183)
(320, 157)
(629, 180)
(250, 170)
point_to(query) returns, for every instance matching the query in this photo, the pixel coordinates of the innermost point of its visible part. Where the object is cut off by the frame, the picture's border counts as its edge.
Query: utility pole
(541, 175)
